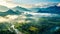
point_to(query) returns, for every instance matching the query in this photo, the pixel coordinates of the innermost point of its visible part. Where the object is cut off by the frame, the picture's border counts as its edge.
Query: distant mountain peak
(17, 6)
(53, 6)
(20, 8)
(10, 11)
(52, 9)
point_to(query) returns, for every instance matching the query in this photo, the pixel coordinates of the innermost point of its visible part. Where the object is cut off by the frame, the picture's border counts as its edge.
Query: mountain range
(18, 10)
(52, 9)
(9, 12)
(21, 9)
(14, 11)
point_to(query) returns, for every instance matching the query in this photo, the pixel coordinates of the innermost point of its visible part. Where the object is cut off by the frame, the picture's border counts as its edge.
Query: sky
(35, 1)
(26, 3)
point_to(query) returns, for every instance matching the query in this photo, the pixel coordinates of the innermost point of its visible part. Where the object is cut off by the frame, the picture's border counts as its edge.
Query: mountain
(34, 9)
(9, 12)
(20, 9)
(3, 8)
(52, 9)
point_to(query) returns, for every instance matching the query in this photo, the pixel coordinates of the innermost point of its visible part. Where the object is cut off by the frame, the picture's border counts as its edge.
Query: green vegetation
(42, 26)
(4, 28)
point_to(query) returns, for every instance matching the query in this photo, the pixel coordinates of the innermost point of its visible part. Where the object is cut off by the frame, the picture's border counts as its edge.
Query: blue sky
(35, 1)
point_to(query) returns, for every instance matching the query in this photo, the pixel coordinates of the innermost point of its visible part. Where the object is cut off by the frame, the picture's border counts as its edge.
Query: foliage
(4, 28)
(42, 26)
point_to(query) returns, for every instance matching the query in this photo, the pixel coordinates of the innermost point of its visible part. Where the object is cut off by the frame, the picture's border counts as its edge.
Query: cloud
(11, 4)
(8, 18)
(3, 19)
(41, 5)
(2, 2)
(44, 5)
(58, 4)
(7, 3)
